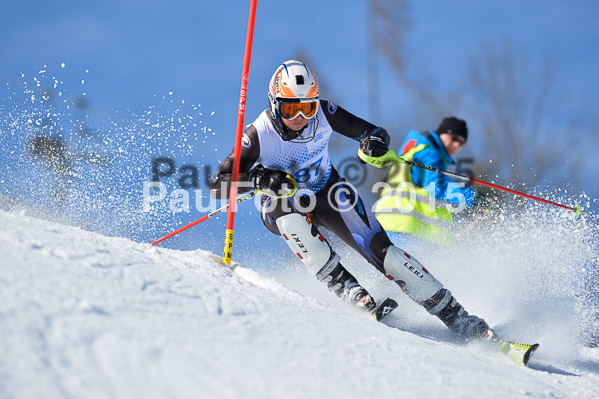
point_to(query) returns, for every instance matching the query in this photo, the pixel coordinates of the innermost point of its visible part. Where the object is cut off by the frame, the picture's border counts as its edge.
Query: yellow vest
(406, 208)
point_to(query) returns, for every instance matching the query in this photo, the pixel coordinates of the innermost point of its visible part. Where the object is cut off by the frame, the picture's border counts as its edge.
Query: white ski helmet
(293, 90)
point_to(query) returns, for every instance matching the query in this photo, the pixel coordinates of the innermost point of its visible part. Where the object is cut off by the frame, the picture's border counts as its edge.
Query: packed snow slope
(84, 315)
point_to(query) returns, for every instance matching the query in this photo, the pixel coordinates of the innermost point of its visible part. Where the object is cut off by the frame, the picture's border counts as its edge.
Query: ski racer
(290, 139)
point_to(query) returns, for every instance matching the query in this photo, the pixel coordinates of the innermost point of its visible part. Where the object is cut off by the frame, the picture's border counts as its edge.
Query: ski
(517, 352)
(386, 306)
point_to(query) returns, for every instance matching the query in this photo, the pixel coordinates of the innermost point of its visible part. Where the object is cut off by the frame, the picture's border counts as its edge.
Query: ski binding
(386, 306)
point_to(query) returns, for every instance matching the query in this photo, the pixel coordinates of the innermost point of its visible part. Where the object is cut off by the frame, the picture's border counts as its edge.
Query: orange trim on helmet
(286, 92)
(313, 92)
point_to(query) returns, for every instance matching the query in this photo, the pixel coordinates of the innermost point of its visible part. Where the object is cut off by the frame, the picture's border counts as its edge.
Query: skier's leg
(340, 209)
(425, 289)
(315, 253)
(359, 229)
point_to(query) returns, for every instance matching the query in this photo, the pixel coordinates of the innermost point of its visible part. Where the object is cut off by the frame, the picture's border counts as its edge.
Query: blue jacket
(436, 157)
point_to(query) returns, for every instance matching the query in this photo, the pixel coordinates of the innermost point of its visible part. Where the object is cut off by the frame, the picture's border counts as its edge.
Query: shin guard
(306, 242)
(314, 252)
(410, 275)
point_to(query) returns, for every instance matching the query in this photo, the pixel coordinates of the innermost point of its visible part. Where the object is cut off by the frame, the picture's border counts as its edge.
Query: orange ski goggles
(291, 109)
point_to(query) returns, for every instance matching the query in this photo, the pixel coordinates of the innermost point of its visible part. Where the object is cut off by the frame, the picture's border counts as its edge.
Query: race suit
(338, 207)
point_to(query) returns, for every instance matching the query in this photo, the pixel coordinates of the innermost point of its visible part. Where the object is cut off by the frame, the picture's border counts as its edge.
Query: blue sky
(135, 49)
(128, 54)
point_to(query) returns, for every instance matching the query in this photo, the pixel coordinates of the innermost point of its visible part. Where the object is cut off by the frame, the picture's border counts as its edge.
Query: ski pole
(289, 193)
(390, 157)
(206, 217)
(245, 77)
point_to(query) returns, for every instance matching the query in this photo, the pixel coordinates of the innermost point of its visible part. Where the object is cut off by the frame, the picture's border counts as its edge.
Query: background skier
(404, 209)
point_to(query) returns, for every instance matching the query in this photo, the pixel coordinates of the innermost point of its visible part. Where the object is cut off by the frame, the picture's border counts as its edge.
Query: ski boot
(452, 314)
(346, 287)
(342, 283)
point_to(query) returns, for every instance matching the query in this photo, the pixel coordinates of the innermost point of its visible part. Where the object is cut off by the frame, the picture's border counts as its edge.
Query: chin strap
(299, 138)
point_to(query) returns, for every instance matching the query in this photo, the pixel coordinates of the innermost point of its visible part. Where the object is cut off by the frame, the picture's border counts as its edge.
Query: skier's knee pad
(307, 243)
(411, 276)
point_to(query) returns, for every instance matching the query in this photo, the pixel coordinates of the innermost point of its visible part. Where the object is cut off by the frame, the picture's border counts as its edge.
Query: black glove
(375, 144)
(270, 180)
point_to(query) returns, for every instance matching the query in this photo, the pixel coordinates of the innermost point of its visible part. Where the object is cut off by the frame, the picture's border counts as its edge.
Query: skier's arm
(349, 125)
(422, 178)
(250, 151)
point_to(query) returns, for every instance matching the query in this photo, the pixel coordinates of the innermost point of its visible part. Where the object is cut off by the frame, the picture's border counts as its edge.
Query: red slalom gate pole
(245, 77)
